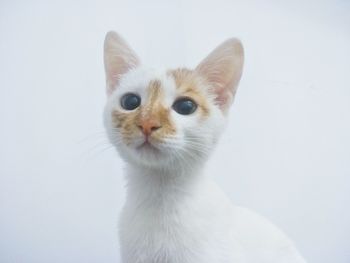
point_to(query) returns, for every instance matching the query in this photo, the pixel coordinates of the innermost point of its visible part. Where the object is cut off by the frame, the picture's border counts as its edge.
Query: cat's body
(168, 220)
(164, 125)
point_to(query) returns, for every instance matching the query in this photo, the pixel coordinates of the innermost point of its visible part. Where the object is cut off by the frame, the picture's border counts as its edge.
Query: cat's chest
(159, 222)
(173, 234)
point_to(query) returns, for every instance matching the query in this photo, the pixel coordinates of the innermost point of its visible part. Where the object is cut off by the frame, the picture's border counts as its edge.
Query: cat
(165, 125)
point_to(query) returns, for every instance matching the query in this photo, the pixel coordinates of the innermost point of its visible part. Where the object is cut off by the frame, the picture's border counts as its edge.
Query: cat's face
(171, 118)
(163, 119)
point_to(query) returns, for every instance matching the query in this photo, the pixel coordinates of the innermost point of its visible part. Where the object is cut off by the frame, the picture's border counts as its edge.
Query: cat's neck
(147, 184)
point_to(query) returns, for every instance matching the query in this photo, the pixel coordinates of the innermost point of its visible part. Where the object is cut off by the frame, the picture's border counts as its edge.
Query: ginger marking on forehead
(155, 94)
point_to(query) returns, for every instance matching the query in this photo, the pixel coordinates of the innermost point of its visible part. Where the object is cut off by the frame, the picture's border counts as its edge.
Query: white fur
(173, 213)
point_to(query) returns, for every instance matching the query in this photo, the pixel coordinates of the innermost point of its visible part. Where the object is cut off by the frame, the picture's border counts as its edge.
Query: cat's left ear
(222, 68)
(119, 58)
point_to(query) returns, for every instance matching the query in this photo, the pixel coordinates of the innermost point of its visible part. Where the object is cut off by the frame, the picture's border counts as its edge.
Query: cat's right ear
(222, 68)
(119, 58)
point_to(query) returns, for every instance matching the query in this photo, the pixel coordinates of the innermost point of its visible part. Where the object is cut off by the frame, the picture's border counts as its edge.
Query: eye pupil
(130, 101)
(184, 106)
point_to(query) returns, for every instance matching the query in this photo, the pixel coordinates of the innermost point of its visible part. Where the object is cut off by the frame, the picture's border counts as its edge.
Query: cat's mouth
(148, 146)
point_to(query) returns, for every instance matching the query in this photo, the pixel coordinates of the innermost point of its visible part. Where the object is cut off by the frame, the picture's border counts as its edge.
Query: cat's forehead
(145, 81)
(170, 82)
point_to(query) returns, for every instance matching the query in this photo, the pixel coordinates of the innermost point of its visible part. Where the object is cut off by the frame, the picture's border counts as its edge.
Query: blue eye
(130, 101)
(184, 106)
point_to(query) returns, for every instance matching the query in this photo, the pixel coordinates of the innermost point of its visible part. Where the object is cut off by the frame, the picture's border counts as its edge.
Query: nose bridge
(149, 122)
(154, 93)
(149, 119)
(153, 105)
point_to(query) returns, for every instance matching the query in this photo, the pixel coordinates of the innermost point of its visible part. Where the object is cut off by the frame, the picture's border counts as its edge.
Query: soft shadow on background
(284, 154)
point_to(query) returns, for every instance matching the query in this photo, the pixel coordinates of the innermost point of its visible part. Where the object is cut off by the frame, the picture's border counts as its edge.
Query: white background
(285, 153)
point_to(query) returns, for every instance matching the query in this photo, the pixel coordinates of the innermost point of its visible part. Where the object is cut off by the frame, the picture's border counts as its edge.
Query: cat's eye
(184, 106)
(130, 101)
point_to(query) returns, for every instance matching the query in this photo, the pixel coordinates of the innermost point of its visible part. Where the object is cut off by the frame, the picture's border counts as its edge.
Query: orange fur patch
(153, 111)
(187, 84)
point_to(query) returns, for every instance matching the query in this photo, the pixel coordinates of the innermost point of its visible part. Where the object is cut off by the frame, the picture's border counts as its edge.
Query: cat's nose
(148, 126)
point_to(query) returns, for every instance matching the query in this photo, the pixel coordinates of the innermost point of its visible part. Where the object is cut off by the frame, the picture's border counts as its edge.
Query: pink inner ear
(222, 68)
(119, 58)
(223, 85)
(223, 97)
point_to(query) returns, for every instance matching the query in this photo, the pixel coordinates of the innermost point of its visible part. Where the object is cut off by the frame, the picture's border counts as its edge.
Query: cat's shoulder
(262, 239)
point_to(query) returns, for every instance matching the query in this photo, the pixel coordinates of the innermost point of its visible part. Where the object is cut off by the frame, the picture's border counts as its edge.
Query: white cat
(164, 125)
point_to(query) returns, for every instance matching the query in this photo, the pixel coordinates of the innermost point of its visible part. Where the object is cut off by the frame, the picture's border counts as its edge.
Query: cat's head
(171, 118)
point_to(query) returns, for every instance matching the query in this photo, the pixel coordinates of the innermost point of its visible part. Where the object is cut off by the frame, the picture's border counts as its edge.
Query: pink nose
(148, 126)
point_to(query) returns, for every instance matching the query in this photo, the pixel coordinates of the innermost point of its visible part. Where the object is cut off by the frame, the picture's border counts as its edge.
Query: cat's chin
(148, 155)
